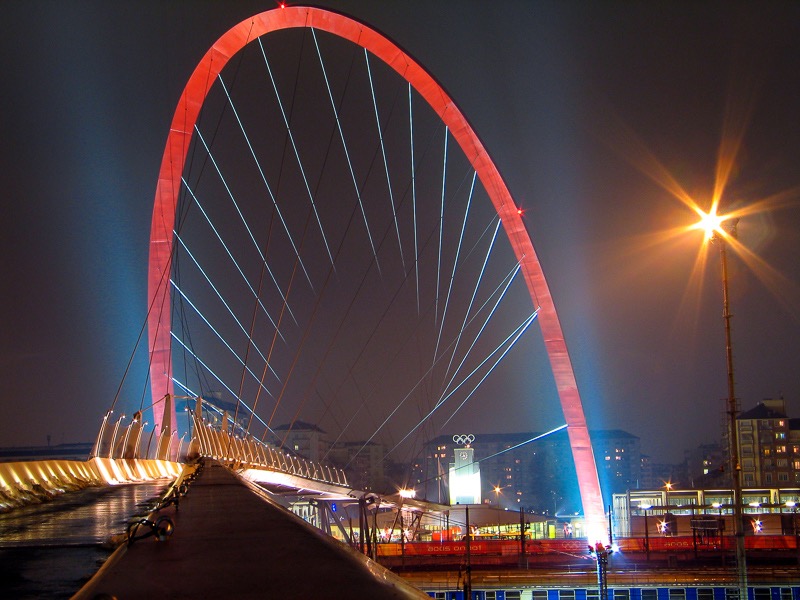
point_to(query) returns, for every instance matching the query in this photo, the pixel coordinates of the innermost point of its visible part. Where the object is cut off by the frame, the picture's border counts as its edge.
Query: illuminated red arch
(169, 184)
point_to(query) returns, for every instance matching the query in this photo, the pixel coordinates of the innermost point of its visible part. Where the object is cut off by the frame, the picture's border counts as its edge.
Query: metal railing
(118, 439)
(246, 452)
(122, 439)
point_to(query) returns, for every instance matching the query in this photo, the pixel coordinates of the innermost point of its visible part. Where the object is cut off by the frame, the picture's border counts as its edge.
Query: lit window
(731, 593)
(677, 594)
(622, 594)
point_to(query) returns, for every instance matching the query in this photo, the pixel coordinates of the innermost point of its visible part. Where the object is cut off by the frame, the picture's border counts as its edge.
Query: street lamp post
(720, 528)
(793, 505)
(601, 553)
(645, 508)
(733, 444)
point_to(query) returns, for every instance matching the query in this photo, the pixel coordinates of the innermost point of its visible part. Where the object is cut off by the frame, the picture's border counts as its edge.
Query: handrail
(229, 448)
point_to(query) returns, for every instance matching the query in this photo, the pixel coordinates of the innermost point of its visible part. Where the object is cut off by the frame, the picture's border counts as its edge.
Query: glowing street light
(667, 489)
(710, 223)
(498, 491)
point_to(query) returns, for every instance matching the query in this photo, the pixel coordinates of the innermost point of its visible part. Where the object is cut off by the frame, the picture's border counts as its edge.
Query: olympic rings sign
(464, 440)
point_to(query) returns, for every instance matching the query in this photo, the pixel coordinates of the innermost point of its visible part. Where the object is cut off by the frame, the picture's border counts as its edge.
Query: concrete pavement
(230, 542)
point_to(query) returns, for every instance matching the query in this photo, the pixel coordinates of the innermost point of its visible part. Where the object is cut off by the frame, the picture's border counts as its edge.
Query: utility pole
(468, 570)
(733, 442)
(522, 559)
(601, 553)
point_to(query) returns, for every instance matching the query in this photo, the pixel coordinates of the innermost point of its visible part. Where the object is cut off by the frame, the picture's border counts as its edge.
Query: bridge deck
(230, 543)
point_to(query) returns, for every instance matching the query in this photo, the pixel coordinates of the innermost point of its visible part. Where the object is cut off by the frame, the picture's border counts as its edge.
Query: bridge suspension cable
(437, 233)
(377, 333)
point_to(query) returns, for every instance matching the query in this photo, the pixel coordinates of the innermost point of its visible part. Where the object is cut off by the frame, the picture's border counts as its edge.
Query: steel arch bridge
(169, 186)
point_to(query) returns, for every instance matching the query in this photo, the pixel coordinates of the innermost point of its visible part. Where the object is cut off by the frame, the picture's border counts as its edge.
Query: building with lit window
(518, 470)
(363, 461)
(304, 439)
(769, 445)
(364, 464)
(618, 457)
(706, 467)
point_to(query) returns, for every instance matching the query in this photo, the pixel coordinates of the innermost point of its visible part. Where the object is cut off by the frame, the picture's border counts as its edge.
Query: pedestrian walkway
(231, 542)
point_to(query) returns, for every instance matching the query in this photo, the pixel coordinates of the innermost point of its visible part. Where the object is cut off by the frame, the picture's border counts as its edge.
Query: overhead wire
(515, 335)
(246, 226)
(385, 160)
(346, 152)
(266, 183)
(375, 250)
(233, 259)
(296, 151)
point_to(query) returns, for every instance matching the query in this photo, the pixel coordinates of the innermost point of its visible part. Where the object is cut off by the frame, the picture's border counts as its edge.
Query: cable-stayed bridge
(332, 241)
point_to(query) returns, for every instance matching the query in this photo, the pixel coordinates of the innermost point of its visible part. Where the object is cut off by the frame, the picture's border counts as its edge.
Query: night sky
(596, 114)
